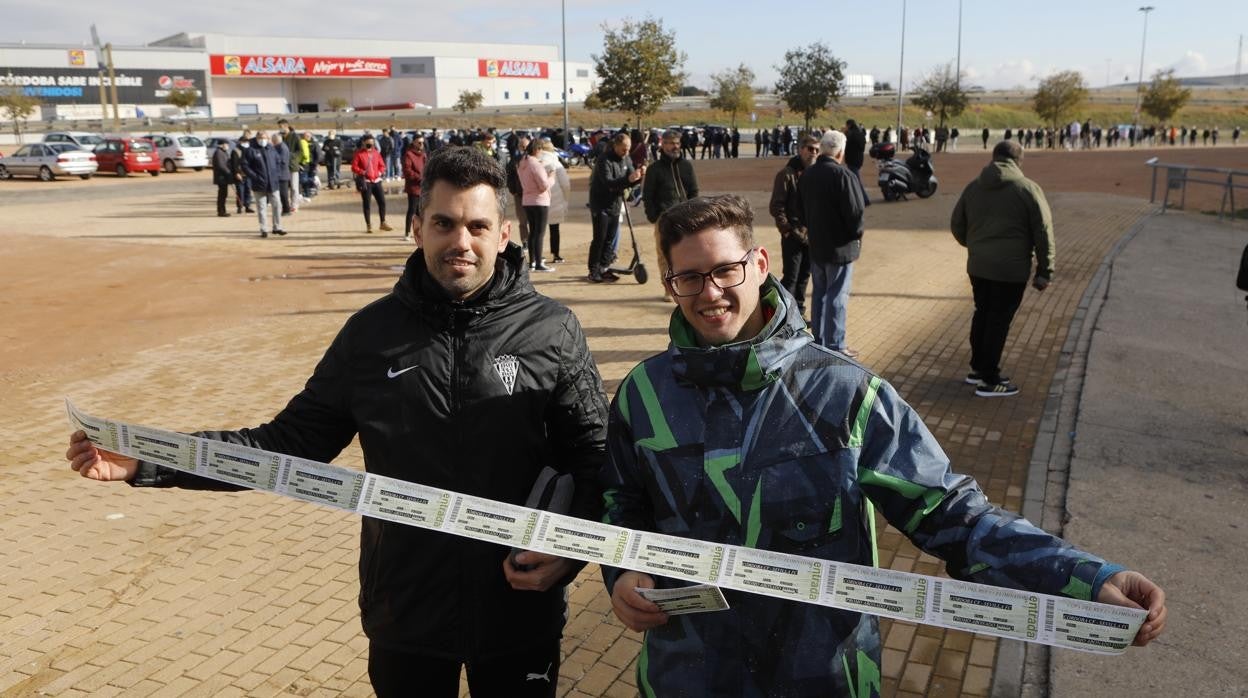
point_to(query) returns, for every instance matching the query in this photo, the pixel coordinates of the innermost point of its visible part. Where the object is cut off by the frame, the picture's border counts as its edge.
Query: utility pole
(100, 66)
(1139, 87)
(112, 83)
(902, 69)
(1239, 57)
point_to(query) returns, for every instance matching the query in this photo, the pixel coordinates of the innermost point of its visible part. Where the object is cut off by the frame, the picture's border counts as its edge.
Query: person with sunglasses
(786, 208)
(746, 432)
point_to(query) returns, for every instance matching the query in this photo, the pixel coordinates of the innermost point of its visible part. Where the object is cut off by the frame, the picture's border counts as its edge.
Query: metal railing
(1177, 177)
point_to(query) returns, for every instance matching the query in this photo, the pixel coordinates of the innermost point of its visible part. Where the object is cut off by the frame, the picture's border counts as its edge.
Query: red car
(124, 155)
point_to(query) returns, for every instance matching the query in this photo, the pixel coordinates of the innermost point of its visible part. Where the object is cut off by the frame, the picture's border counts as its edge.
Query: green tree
(1164, 97)
(941, 92)
(16, 107)
(733, 91)
(810, 80)
(1059, 97)
(183, 98)
(593, 102)
(639, 68)
(468, 101)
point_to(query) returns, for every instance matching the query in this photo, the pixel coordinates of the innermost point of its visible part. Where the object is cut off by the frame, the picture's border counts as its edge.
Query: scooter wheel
(931, 189)
(888, 194)
(641, 274)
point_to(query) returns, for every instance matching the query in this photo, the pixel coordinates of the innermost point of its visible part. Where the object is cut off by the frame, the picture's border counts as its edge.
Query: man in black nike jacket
(463, 378)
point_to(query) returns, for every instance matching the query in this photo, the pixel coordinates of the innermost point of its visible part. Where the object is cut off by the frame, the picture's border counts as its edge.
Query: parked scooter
(914, 176)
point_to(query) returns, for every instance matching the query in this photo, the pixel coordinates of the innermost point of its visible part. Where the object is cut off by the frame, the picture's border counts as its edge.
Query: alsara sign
(501, 68)
(275, 66)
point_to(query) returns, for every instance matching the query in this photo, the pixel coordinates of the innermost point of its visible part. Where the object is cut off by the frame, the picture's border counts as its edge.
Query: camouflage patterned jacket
(780, 444)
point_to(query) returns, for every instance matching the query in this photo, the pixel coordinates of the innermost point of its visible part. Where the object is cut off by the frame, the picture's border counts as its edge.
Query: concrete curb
(1023, 669)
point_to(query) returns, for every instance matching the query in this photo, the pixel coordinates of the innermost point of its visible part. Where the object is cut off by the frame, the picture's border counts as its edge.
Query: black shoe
(264, 233)
(279, 232)
(611, 276)
(594, 278)
(973, 378)
(249, 210)
(222, 214)
(1001, 389)
(540, 267)
(558, 260)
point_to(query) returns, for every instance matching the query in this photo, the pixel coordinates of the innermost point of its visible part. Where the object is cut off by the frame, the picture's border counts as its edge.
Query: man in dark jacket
(1002, 219)
(222, 176)
(786, 208)
(833, 206)
(262, 167)
(242, 186)
(613, 173)
(332, 148)
(463, 378)
(855, 152)
(668, 182)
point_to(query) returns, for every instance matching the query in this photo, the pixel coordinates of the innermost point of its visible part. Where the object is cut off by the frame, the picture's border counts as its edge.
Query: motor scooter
(914, 176)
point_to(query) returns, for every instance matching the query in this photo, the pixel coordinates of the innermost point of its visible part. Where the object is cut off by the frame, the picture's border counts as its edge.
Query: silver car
(47, 160)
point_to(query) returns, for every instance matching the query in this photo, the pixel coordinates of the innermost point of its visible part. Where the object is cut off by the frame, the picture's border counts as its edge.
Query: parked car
(211, 143)
(47, 160)
(180, 151)
(82, 139)
(124, 155)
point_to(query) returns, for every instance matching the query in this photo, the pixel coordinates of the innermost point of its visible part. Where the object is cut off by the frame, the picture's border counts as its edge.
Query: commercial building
(243, 75)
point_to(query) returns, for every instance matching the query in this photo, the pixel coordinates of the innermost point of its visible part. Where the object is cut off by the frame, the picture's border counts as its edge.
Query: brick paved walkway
(107, 590)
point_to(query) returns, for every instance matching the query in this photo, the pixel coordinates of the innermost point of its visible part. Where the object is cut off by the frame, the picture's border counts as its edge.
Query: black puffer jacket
(417, 377)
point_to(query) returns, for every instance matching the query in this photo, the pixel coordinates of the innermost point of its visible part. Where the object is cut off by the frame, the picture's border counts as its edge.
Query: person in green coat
(1003, 220)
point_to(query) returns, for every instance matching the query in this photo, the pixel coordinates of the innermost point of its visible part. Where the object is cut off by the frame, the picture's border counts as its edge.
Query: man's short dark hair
(806, 140)
(464, 167)
(1008, 150)
(727, 211)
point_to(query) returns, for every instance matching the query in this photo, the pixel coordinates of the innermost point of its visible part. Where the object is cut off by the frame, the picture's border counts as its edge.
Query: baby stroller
(309, 183)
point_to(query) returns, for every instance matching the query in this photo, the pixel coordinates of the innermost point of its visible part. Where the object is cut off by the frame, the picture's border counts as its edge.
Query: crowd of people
(784, 442)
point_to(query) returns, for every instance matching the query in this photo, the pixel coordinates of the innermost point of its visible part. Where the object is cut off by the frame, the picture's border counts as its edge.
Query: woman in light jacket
(559, 195)
(536, 184)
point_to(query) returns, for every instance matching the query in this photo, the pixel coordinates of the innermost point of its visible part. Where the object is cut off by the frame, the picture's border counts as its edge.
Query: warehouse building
(244, 75)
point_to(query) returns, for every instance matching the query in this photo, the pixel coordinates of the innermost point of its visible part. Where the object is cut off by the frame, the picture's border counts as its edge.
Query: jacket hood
(1000, 173)
(418, 290)
(750, 364)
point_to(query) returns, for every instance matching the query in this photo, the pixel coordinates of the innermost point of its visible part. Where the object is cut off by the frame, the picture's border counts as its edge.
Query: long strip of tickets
(946, 603)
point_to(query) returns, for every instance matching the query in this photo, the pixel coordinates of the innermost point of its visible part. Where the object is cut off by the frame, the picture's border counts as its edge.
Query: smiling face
(461, 234)
(720, 316)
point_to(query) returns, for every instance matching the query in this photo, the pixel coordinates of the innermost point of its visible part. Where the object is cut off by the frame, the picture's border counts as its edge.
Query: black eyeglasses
(811, 148)
(725, 276)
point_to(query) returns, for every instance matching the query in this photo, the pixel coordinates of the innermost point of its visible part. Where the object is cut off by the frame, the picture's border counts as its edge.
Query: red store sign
(298, 66)
(500, 68)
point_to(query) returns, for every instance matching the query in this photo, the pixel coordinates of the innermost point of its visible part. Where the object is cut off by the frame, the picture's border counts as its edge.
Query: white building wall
(455, 75)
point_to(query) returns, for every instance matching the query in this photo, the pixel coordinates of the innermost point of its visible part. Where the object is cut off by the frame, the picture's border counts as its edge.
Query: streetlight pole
(958, 75)
(563, 19)
(1139, 87)
(901, 76)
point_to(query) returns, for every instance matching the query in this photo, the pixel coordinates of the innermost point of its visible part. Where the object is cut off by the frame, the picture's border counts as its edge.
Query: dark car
(124, 155)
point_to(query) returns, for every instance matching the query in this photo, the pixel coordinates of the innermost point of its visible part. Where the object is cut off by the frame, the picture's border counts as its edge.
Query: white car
(82, 139)
(180, 151)
(47, 160)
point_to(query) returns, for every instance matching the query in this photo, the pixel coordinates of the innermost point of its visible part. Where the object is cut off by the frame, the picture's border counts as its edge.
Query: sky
(1004, 45)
